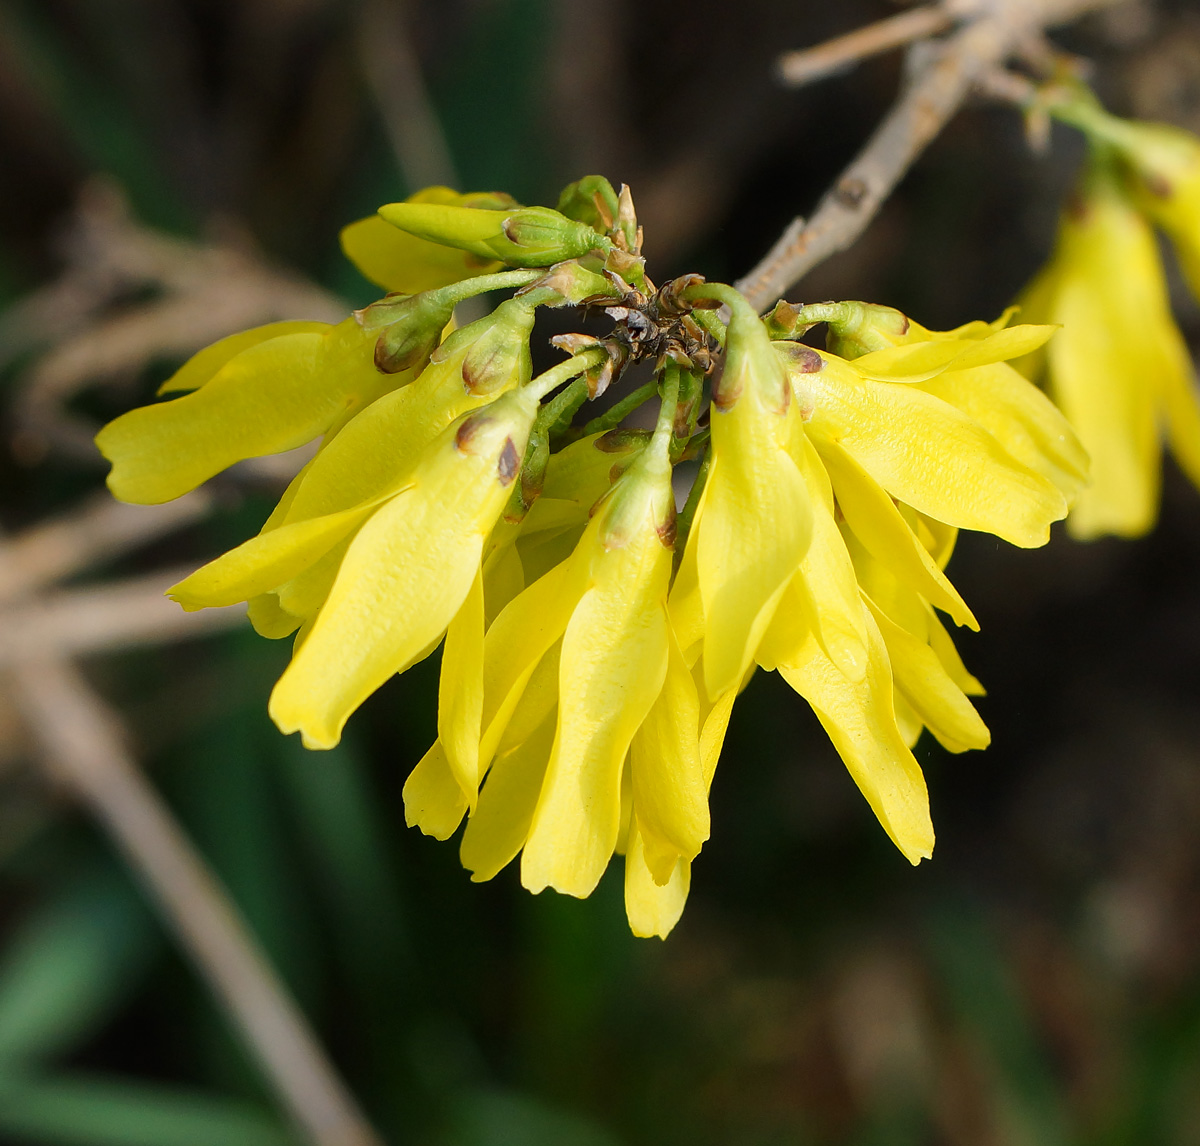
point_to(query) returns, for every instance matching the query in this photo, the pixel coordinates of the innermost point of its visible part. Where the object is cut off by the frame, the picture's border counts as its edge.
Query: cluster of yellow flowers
(1120, 370)
(595, 640)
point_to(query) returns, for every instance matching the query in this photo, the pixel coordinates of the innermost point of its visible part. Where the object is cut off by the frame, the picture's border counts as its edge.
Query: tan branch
(82, 738)
(809, 64)
(116, 615)
(98, 529)
(942, 81)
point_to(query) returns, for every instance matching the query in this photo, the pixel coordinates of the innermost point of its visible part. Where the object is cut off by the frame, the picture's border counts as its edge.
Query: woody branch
(943, 74)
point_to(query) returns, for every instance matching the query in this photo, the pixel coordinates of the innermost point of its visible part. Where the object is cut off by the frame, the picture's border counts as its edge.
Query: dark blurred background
(1037, 983)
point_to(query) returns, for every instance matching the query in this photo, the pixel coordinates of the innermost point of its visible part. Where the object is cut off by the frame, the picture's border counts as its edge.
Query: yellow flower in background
(1119, 369)
(591, 656)
(1160, 166)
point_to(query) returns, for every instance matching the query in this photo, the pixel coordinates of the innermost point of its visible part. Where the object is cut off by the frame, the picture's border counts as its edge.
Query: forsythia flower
(892, 451)
(594, 644)
(1120, 369)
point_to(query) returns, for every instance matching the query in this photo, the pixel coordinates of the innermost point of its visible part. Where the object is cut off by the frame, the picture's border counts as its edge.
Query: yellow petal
(499, 826)
(270, 398)
(614, 660)
(861, 722)
(519, 638)
(1111, 300)
(405, 575)
(433, 798)
(669, 794)
(874, 519)
(685, 604)
(203, 365)
(1020, 417)
(266, 400)
(398, 261)
(653, 909)
(305, 593)
(918, 361)
(926, 453)
(923, 681)
(753, 532)
(826, 575)
(265, 562)
(503, 578)
(910, 724)
(942, 644)
(542, 551)
(460, 691)
(270, 619)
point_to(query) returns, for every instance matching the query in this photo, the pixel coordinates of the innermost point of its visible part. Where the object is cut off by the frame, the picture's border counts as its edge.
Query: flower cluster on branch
(595, 634)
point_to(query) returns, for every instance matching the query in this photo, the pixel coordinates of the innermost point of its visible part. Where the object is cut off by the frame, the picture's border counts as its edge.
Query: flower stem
(683, 523)
(615, 414)
(563, 372)
(481, 284)
(669, 389)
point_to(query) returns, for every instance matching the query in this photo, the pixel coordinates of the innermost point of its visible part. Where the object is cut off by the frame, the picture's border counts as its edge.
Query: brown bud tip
(726, 391)
(509, 463)
(668, 530)
(465, 433)
(802, 359)
(387, 362)
(1157, 184)
(606, 216)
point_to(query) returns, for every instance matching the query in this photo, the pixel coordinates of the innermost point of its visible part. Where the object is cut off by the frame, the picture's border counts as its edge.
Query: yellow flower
(754, 523)
(1161, 165)
(1119, 370)
(300, 548)
(585, 691)
(922, 433)
(261, 392)
(586, 685)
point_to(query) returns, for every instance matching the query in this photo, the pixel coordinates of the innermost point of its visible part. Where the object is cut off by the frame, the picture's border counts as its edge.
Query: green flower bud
(864, 327)
(590, 200)
(501, 353)
(527, 237)
(412, 327)
(854, 328)
(577, 283)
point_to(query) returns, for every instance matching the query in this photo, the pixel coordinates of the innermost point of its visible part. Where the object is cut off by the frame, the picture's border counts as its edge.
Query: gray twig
(809, 64)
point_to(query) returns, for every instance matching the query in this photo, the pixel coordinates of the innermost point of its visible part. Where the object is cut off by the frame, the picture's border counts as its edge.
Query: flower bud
(527, 237)
(412, 327)
(577, 283)
(501, 353)
(590, 200)
(751, 362)
(864, 327)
